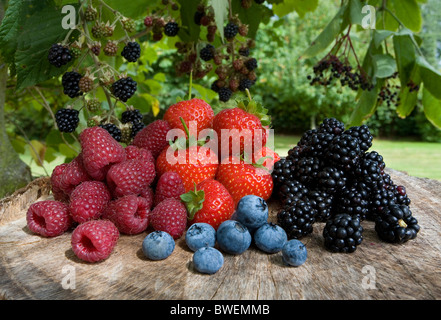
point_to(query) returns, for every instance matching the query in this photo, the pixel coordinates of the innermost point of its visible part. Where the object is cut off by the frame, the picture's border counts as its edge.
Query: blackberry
(171, 29)
(396, 224)
(131, 51)
(370, 172)
(363, 135)
(207, 52)
(70, 82)
(67, 120)
(214, 86)
(295, 154)
(59, 55)
(306, 170)
(332, 126)
(245, 52)
(124, 88)
(136, 127)
(245, 84)
(231, 30)
(132, 116)
(225, 94)
(321, 202)
(379, 199)
(291, 191)
(297, 219)
(344, 151)
(400, 194)
(111, 48)
(306, 137)
(282, 172)
(259, 1)
(251, 64)
(343, 233)
(114, 131)
(353, 201)
(198, 15)
(317, 144)
(85, 84)
(331, 179)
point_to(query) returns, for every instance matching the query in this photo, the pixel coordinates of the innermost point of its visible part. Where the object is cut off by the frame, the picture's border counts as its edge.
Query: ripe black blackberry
(136, 127)
(369, 171)
(291, 191)
(354, 201)
(259, 1)
(295, 154)
(363, 134)
(244, 84)
(132, 116)
(344, 151)
(251, 64)
(114, 131)
(282, 172)
(306, 170)
(245, 52)
(124, 88)
(400, 194)
(70, 82)
(131, 51)
(343, 233)
(396, 224)
(379, 199)
(198, 15)
(318, 144)
(59, 55)
(225, 94)
(332, 126)
(171, 29)
(331, 179)
(231, 30)
(297, 219)
(207, 52)
(322, 202)
(67, 120)
(306, 137)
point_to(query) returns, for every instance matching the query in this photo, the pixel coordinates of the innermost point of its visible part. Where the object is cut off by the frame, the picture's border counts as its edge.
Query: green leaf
(408, 12)
(205, 94)
(300, 6)
(381, 35)
(432, 108)
(189, 30)
(408, 99)
(366, 106)
(252, 16)
(430, 76)
(405, 57)
(355, 12)
(328, 35)
(385, 65)
(220, 8)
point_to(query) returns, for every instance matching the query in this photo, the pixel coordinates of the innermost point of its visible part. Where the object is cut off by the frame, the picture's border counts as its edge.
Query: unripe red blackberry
(148, 21)
(243, 30)
(95, 47)
(111, 48)
(85, 84)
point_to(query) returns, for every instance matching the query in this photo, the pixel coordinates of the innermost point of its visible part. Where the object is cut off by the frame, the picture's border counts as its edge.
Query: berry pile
(332, 172)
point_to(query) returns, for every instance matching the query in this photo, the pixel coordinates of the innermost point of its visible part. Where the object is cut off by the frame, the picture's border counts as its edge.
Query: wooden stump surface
(33, 267)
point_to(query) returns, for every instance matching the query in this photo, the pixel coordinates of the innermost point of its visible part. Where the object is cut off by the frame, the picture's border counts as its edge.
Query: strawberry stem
(191, 85)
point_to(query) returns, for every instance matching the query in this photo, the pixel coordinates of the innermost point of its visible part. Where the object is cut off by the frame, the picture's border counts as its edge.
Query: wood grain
(33, 267)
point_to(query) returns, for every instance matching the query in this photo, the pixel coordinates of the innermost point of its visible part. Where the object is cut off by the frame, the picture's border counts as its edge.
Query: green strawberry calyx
(256, 108)
(194, 201)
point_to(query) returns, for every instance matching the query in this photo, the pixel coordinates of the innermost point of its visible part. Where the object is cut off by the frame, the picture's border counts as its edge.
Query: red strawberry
(153, 137)
(210, 202)
(130, 214)
(56, 176)
(88, 201)
(133, 152)
(100, 150)
(170, 185)
(49, 218)
(169, 216)
(190, 110)
(241, 179)
(73, 175)
(193, 164)
(266, 157)
(130, 177)
(94, 240)
(241, 129)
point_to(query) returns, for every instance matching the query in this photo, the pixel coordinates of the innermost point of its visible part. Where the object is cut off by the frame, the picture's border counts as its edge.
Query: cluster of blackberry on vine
(333, 172)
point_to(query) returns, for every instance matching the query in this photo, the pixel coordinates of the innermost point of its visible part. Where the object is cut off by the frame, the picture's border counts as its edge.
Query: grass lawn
(420, 159)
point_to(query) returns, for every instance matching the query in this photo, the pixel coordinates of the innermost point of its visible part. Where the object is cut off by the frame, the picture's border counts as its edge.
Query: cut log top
(33, 267)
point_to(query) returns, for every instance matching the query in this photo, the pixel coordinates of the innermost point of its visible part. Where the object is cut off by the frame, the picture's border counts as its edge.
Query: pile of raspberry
(107, 190)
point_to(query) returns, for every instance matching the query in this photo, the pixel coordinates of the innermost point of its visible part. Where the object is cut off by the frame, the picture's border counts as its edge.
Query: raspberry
(124, 88)
(67, 120)
(99, 151)
(170, 185)
(56, 177)
(113, 130)
(111, 48)
(88, 200)
(132, 116)
(95, 240)
(130, 177)
(149, 195)
(171, 29)
(70, 82)
(225, 94)
(131, 51)
(85, 84)
(133, 152)
(130, 214)
(169, 216)
(48, 218)
(207, 52)
(230, 30)
(73, 175)
(153, 137)
(59, 55)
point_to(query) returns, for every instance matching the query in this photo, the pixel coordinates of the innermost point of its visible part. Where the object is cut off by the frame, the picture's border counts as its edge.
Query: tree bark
(14, 173)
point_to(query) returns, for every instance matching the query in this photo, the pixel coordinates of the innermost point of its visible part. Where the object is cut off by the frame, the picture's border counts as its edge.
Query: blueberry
(158, 245)
(200, 235)
(294, 253)
(233, 237)
(252, 212)
(270, 238)
(208, 260)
